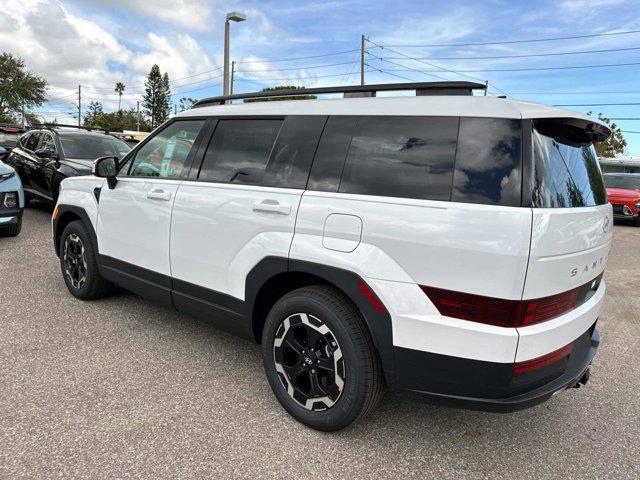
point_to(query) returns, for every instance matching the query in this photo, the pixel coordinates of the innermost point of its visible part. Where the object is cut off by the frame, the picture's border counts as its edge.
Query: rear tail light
(527, 366)
(498, 311)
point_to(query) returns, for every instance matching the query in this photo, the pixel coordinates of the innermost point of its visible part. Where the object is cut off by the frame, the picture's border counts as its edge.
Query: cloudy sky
(96, 43)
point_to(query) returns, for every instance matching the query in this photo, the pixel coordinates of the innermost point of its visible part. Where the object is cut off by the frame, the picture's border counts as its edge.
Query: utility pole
(138, 114)
(362, 61)
(233, 69)
(175, 109)
(79, 104)
(23, 119)
(486, 87)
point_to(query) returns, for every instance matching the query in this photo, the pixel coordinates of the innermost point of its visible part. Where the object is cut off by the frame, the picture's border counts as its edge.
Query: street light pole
(231, 17)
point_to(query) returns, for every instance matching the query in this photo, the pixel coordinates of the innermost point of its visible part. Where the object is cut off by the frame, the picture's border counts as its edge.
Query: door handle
(158, 194)
(272, 206)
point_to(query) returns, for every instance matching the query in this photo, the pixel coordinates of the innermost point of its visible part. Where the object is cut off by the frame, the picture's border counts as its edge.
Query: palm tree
(119, 90)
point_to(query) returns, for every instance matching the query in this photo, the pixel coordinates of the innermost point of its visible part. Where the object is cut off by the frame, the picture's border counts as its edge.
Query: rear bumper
(491, 386)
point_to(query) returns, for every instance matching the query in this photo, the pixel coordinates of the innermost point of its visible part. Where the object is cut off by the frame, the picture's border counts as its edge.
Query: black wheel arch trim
(81, 214)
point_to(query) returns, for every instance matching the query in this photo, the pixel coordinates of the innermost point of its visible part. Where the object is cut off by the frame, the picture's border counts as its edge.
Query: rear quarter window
(488, 166)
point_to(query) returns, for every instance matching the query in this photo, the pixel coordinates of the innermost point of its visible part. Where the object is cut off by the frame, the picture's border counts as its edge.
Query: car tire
(321, 319)
(79, 263)
(13, 230)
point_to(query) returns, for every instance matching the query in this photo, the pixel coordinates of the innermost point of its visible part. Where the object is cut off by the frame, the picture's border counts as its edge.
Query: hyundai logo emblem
(606, 224)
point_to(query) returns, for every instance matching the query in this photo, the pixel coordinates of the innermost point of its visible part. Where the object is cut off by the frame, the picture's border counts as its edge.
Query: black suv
(44, 157)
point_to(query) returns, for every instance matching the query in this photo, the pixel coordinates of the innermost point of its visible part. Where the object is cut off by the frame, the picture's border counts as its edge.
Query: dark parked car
(45, 157)
(9, 135)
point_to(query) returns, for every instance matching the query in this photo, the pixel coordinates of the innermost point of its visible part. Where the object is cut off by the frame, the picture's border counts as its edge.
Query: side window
(488, 162)
(23, 140)
(332, 152)
(48, 143)
(165, 155)
(32, 142)
(293, 152)
(239, 151)
(410, 157)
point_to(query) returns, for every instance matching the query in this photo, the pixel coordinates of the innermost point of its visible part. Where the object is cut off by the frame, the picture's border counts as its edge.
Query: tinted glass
(166, 153)
(293, 152)
(239, 151)
(332, 152)
(488, 162)
(32, 141)
(90, 147)
(622, 181)
(48, 143)
(410, 157)
(565, 175)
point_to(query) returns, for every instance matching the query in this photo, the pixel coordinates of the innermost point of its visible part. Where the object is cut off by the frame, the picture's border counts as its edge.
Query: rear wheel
(319, 359)
(79, 264)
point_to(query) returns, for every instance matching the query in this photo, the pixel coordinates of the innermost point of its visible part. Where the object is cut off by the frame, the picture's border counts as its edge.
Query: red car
(623, 190)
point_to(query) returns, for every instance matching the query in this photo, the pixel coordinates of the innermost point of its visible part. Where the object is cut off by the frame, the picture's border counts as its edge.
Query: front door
(134, 218)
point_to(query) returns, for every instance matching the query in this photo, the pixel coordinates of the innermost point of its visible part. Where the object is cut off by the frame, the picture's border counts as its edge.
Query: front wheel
(319, 359)
(79, 264)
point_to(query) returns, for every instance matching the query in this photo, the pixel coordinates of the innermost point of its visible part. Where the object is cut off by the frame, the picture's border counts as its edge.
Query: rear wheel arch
(263, 291)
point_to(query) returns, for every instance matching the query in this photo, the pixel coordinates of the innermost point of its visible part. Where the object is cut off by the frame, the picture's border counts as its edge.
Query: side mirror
(45, 153)
(107, 167)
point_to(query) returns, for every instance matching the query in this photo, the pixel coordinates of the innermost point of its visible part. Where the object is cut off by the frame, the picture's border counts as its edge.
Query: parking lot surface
(120, 388)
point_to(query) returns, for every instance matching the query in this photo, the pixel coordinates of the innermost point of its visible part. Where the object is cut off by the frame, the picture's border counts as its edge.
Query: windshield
(565, 175)
(90, 147)
(631, 182)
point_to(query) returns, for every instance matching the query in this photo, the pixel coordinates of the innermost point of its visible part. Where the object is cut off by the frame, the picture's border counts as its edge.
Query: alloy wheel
(75, 262)
(309, 361)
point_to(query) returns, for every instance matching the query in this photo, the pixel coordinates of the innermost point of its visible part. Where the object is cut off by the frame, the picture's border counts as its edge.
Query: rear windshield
(564, 174)
(618, 181)
(90, 147)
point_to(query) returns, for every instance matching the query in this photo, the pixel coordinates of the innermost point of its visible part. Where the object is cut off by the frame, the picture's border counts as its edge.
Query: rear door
(239, 207)
(134, 218)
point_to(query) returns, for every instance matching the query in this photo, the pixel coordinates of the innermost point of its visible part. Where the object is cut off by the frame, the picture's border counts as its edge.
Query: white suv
(445, 243)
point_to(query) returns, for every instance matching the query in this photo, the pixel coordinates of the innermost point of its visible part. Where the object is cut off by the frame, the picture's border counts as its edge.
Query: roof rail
(421, 88)
(51, 126)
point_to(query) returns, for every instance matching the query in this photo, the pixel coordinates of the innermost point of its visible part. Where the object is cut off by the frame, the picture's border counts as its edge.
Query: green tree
(615, 144)
(166, 94)
(93, 115)
(19, 88)
(119, 90)
(155, 103)
(186, 103)
(277, 99)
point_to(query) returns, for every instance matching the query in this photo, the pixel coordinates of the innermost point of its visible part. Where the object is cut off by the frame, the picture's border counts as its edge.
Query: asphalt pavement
(121, 388)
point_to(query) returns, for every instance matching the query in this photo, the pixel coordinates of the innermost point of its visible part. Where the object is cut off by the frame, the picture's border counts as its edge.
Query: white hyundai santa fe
(444, 243)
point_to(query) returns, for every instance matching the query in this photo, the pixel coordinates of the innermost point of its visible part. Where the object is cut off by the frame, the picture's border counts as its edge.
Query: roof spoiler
(421, 88)
(574, 131)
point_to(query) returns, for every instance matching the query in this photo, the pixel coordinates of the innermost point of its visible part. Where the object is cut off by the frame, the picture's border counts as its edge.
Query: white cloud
(71, 50)
(194, 14)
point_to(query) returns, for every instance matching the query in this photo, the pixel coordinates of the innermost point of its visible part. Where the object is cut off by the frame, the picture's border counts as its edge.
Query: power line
(389, 73)
(295, 68)
(624, 118)
(400, 65)
(290, 78)
(628, 131)
(595, 104)
(619, 92)
(301, 58)
(434, 65)
(567, 67)
(547, 54)
(549, 39)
